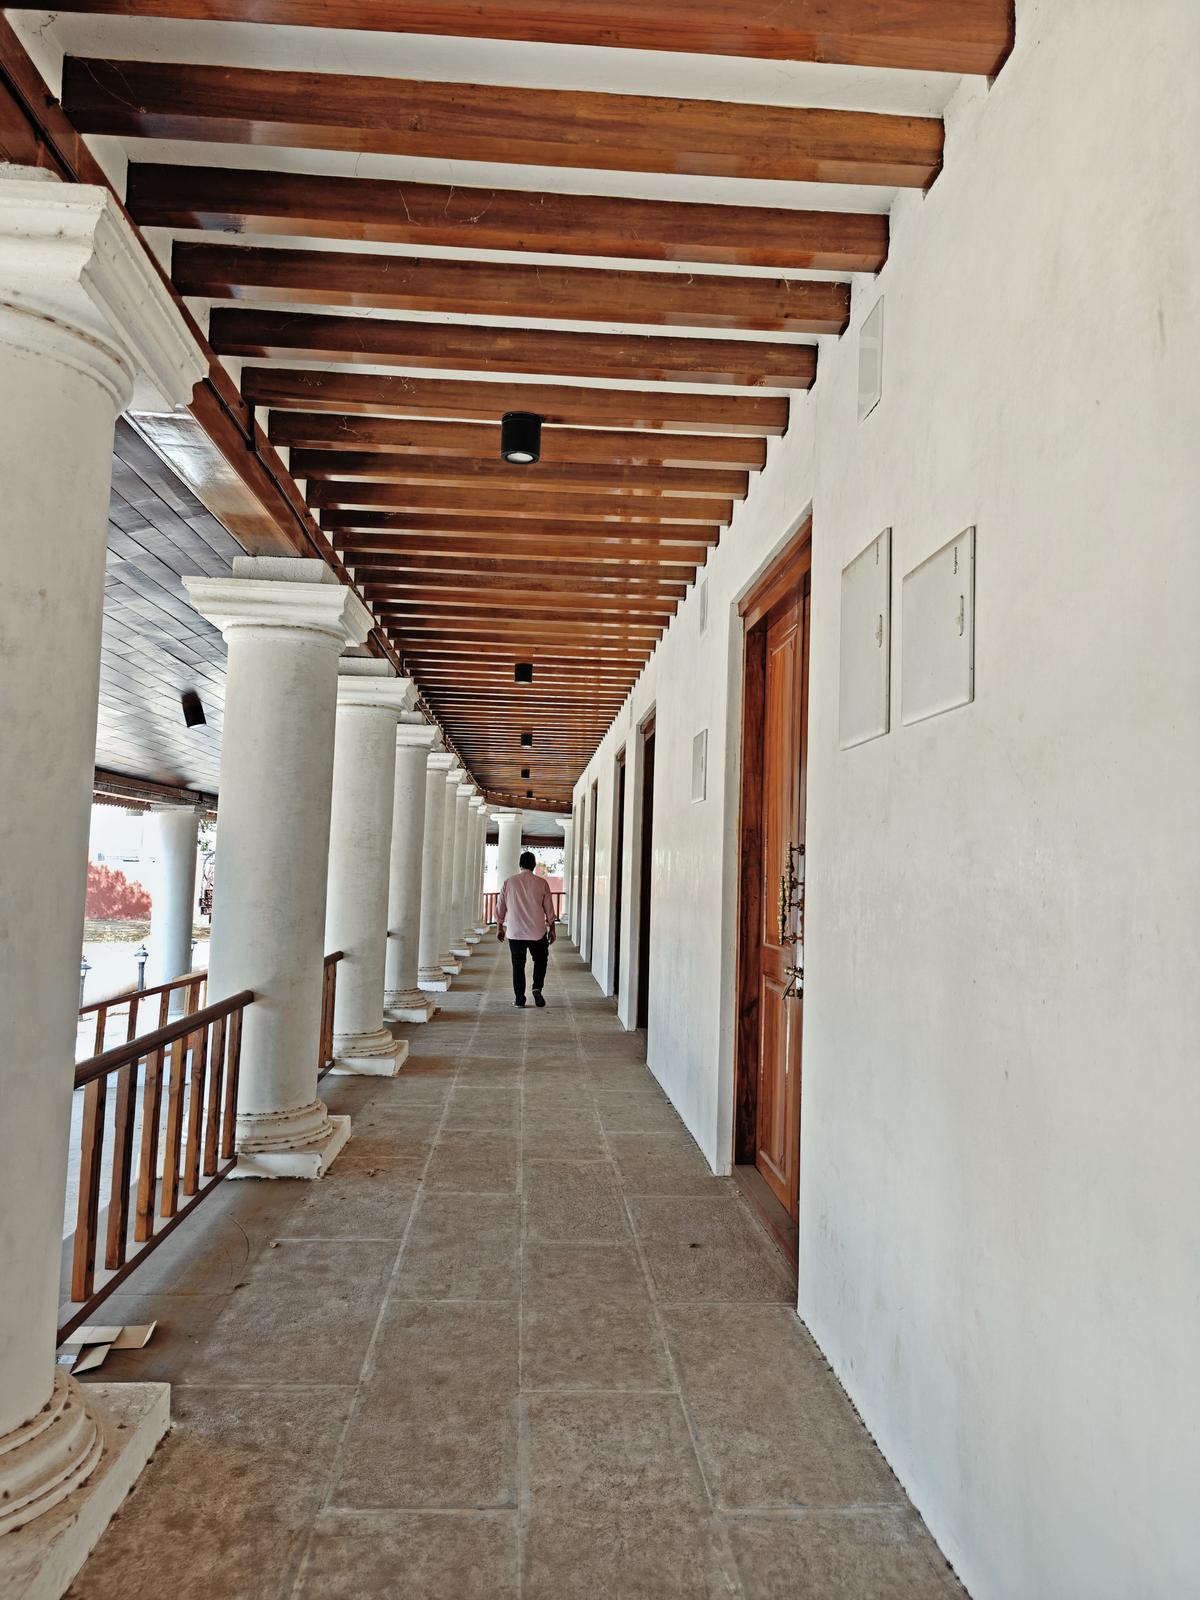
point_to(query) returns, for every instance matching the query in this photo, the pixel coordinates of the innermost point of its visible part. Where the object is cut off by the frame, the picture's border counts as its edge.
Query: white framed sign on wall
(864, 685)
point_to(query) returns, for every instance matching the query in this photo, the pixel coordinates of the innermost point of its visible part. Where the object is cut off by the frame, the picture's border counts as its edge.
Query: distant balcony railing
(489, 905)
(171, 1135)
(182, 995)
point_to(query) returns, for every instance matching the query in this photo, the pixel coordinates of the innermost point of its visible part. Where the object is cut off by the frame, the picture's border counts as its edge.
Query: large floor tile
(834, 1556)
(592, 1344)
(597, 1453)
(435, 1423)
(412, 1556)
(634, 1552)
(473, 1162)
(573, 1201)
(563, 1274)
(462, 1247)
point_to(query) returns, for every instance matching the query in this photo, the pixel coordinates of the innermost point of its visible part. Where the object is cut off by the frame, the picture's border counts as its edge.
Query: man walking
(526, 909)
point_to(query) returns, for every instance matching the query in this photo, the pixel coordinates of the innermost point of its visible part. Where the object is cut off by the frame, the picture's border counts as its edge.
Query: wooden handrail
(185, 980)
(196, 1059)
(122, 1054)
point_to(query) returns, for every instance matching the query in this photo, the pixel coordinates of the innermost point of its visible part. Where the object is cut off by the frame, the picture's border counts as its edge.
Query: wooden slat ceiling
(378, 322)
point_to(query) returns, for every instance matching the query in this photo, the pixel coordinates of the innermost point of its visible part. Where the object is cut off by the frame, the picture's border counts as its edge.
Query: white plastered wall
(1000, 1185)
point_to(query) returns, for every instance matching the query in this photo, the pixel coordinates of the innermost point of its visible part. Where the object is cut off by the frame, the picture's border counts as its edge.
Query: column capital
(479, 803)
(454, 773)
(367, 684)
(279, 592)
(441, 761)
(77, 286)
(413, 730)
(467, 789)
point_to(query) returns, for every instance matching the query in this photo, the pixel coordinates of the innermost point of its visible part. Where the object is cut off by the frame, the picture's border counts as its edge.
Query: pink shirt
(525, 909)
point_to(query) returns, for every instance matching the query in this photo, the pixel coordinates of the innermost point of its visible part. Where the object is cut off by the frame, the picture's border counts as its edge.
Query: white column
(431, 973)
(509, 861)
(370, 700)
(576, 892)
(175, 830)
(460, 945)
(475, 909)
(450, 962)
(403, 1001)
(568, 828)
(86, 323)
(285, 620)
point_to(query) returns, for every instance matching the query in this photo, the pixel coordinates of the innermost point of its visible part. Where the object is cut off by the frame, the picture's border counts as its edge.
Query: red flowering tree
(112, 898)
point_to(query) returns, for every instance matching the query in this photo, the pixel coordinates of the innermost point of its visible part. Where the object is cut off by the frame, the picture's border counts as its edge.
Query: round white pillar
(84, 321)
(174, 835)
(402, 999)
(431, 971)
(475, 905)
(286, 621)
(568, 828)
(510, 824)
(450, 962)
(459, 945)
(370, 700)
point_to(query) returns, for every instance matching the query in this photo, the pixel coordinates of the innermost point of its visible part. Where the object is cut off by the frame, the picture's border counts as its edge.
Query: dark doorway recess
(647, 860)
(618, 868)
(767, 1096)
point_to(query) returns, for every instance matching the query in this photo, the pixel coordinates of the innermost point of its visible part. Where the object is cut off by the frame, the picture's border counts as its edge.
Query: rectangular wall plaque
(864, 709)
(938, 623)
(700, 765)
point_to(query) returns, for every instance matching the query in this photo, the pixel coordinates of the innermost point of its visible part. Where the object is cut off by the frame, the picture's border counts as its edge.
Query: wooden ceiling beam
(484, 400)
(378, 584)
(474, 122)
(309, 430)
(438, 603)
(541, 478)
(478, 347)
(329, 494)
(516, 622)
(593, 575)
(373, 529)
(390, 211)
(493, 288)
(963, 36)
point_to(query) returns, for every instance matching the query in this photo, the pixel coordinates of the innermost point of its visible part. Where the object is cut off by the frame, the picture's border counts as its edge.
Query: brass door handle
(791, 896)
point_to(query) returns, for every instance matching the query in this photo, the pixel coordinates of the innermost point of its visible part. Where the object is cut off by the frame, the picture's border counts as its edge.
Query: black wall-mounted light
(521, 437)
(527, 741)
(193, 711)
(523, 672)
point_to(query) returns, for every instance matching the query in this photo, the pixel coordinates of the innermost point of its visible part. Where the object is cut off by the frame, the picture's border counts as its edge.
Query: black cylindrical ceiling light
(524, 772)
(521, 437)
(193, 711)
(527, 741)
(523, 672)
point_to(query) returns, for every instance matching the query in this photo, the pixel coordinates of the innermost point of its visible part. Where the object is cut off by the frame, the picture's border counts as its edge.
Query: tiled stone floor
(518, 1343)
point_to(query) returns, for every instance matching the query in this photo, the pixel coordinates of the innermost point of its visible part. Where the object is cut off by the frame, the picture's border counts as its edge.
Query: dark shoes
(520, 1003)
(539, 999)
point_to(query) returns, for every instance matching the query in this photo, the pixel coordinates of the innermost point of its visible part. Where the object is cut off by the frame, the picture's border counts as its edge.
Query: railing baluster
(169, 1197)
(122, 1167)
(191, 1162)
(87, 1219)
(143, 1227)
(212, 1109)
(234, 1057)
(101, 1027)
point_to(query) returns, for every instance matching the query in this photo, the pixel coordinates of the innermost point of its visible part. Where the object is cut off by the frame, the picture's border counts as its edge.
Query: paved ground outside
(518, 1343)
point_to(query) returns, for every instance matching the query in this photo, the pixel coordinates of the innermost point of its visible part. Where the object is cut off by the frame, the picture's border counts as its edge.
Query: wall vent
(703, 604)
(870, 361)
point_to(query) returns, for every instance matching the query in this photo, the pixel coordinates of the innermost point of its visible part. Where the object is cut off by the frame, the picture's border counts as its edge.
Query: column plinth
(403, 1000)
(85, 323)
(432, 976)
(286, 621)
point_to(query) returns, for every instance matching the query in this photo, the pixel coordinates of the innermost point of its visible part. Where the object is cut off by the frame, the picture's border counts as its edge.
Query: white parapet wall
(1001, 1105)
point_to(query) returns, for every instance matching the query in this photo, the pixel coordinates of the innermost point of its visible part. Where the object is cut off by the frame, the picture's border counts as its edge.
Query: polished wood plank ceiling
(372, 381)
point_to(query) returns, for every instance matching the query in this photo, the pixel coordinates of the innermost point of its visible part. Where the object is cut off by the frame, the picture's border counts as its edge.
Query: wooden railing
(189, 1133)
(489, 904)
(190, 988)
(328, 997)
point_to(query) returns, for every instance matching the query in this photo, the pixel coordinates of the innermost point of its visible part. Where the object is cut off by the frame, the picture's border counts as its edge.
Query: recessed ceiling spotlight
(521, 437)
(193, 711)
(523, 672)
(527, 741)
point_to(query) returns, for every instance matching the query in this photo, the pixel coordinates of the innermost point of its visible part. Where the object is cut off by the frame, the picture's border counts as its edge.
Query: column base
(39, 1560)
(432, 980)
(300, 1161)
(471, 937)
(481, 931)
(462, 951)
(407, 1005)
(450, 965)
(378, 1054)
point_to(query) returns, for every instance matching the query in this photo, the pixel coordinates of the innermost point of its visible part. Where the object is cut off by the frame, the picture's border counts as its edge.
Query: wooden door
(618, 871)
(771, 954)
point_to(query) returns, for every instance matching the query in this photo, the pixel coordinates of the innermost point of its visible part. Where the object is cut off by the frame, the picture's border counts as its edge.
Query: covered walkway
(518, 1342)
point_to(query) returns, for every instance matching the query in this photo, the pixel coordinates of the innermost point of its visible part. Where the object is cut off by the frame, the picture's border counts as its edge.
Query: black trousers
(540, 950)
